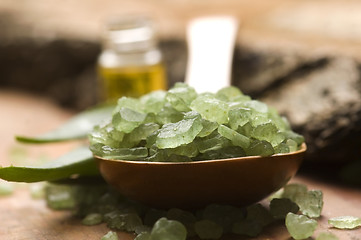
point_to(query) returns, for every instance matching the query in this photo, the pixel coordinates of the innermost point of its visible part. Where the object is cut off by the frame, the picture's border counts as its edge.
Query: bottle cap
(129, 34)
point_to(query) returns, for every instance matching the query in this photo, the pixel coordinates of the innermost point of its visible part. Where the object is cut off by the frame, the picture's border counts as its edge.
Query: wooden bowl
(236, 181)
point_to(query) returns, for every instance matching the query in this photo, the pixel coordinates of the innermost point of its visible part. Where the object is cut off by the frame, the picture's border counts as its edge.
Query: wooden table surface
(23, 217)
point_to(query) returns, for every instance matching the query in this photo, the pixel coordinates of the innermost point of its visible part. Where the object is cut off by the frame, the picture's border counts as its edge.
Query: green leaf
(77, 162)
(76, 128)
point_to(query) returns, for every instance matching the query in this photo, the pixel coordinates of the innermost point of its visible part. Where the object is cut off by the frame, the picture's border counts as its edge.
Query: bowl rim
(302, 150)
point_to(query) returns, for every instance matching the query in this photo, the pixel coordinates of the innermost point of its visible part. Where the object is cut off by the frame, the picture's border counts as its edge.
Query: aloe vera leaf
(75, 128)
(77, 162)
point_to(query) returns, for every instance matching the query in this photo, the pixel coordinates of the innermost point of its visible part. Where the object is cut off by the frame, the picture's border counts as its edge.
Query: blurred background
(302, 57)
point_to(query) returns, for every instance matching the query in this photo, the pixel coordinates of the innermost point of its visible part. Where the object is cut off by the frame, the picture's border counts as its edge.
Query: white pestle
(211, 43)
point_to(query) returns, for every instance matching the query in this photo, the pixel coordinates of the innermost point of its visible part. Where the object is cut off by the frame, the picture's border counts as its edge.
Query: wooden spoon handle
(210, 44)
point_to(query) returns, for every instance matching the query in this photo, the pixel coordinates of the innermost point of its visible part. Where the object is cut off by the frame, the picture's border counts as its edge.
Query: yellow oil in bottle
(130, 63)
(131, 81)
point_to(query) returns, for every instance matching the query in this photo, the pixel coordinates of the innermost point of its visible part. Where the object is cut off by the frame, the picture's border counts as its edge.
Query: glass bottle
(130, 63)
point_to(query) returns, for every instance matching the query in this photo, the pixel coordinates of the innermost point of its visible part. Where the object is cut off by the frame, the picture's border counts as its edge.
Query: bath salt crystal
(230, 93)
(211, 109)
(188, 150)
(180, 215)
(130, 103)
(126, 120)
(246, 129)
(140, 133)
(159, 156)
(143, 236)
(345, 222)
(207, 229)
(116, 135)
(310, 203)
(37, 190)
(133, 221)
(212, 142)
(236, 138)
(142, 229)
(291, 190)
(125, 153)
(282, 148)
(224, 215)
(153, 102)
(326, 236)
(177, 102)
(292, 145)
(259, 119)
(260, 148)
(185, 217)
(239, 116)
(259, 214)
(280, 121)
(299, 139)
(208, 128)
(165, 229)
(6, 188)
(61, 197)
(181, 96)
(268, 132)
(224, 153)
(110, 236)
(124, 222)
(92, 219)
(256, 105)
(168, 115)
(280, 207)
(300, 226)
(172, 135)
(106, 135)
(249, 228)
(152, 215)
